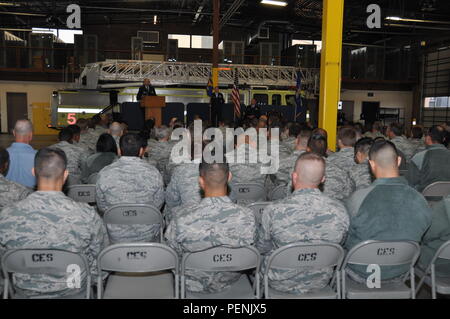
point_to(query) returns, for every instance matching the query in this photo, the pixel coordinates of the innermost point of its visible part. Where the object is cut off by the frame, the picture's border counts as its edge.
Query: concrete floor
(39, 141)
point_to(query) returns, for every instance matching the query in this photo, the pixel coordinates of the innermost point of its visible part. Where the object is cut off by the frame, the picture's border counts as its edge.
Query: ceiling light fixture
(275, 2)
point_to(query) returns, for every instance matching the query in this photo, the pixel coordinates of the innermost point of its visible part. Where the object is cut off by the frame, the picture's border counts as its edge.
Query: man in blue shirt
(21, 155)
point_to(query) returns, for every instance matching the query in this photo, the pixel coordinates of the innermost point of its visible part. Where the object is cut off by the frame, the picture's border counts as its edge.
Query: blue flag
(298, 97)
(209, 88)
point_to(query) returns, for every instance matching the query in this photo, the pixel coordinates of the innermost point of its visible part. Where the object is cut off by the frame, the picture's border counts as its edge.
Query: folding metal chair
(82, 193)
(436, 191)
(277, 193)
(219, 259)
(134, 214)
(135, 259)
(311, 256)
(437, 284)
(381, 253)
(51, 262)
(258, 209)
(246, 193)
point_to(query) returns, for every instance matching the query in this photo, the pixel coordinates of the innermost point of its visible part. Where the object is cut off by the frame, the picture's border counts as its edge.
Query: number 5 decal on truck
(71, 119)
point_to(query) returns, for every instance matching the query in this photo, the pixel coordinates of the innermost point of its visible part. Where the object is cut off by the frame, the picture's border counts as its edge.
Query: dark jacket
(253, 111)
(143, 91)
(217, 101)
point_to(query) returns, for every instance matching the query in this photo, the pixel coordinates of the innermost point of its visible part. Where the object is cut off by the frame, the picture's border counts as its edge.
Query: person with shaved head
(389, 209)
(48, 219)
(21, 155)
(306, 215)
(215, 221)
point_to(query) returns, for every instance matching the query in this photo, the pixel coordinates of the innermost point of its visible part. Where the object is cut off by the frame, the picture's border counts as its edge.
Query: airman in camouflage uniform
(360, 174)
(51, 220)
(307, 216)
(130, 180)
(11, 192)
(395, 133)
(215, 221)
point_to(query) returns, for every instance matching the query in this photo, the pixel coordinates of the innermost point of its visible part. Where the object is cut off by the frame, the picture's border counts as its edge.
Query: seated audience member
(375, 131)
(75, 155)
(48, 219)
(213, 222)
(291, 140)
(338, 184)
(10, 192)
(306, 215)
(106, 154)
(345, 158)
(360, 174)
(395, 133)
(436, 235)
(130, 180)
(389, 209)
(283, 175)
(21, 155)
(432, 164)
(116, 131)
(359, 130)
(87, 140)
(417, 139)
(159, 150)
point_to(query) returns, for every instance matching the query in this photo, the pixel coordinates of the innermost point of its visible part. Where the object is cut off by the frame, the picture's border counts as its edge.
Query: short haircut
(304, 133)
(318, 144)
(65, 134)
(417, 132)
(82, 124)
(437, 134)
(130, 144)
(50, 163)
(358, 127)
(23, 127)
(76, 130)
(320, 131)
(347, 135)
(363, 145)
(4, 157)
(215, 174)
(396, 128)
(310, 168)
(106, 143)
(294, 129)
(115, 128)
(384, 153)
(162, 132)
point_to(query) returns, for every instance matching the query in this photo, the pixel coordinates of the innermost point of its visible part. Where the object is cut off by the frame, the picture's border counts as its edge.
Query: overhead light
(155, 19)
(394, 18)
(275, 2)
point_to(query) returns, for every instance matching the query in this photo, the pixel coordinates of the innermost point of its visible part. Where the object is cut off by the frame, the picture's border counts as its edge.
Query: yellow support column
(215, 77)
(330, 67)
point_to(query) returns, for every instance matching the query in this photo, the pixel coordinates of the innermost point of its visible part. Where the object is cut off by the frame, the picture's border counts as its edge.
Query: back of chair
(44, 261)
(138, 258)
(82, 193)
(277, 193)
(302, 255)
(383, 253)
(249, 192)
(437, 189)
(258, 209)
(132, 214)
(92, 179)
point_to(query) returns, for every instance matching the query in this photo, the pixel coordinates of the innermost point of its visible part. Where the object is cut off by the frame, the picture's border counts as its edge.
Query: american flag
(235, 96)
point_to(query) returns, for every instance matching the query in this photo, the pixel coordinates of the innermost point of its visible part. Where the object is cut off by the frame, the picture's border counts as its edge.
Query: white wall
(387, 99)
(37, 92)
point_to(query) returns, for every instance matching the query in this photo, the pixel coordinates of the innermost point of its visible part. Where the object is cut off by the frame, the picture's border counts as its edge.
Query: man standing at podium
(146, 90)
(217, 102)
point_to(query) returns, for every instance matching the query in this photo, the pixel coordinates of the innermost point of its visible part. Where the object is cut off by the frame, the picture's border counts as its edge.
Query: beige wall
(387, 99)
(37, 93)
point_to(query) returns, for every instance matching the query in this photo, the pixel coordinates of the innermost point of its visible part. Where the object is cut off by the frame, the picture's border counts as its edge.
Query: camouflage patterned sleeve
(159, 195)
(99, 239)
(102, 204)
(263, 240)
(171, 237)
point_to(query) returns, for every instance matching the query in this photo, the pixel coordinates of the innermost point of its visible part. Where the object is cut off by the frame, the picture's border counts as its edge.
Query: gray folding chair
(82, 193)
(51, 262)
(437, 284)
(382, 253)
(277, 193)
(134, 260)
(436, 191)
(248, 192)
(237, 259)
(134, 214)
(314, 256)
(258, 209)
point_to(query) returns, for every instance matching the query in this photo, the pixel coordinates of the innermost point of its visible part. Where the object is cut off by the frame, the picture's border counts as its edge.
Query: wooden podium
(153, 106)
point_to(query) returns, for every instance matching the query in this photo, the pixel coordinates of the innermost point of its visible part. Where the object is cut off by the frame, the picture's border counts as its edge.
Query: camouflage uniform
(290, 143)
(11, 192)
(305, 216)
(130, 180)
(213, 222)
(159, 152)
(374, 135)
(345, 160)
(404, 146)
(52, 220)
(183, 188)
(75, 159)
(361, 176)
(87, 143)
(418, 145)
(283, 176)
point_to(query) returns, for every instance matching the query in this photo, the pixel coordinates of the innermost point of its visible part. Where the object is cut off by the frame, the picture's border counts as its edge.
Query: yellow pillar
(330, 67)
(215, 77)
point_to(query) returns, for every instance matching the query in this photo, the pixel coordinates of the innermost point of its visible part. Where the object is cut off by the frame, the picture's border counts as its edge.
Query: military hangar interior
(336, 78)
